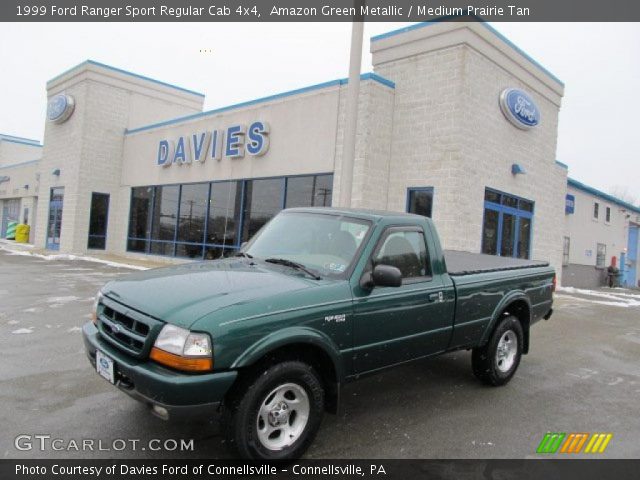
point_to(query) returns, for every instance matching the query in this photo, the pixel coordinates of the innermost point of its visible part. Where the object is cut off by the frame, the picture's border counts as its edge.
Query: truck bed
(467, 263)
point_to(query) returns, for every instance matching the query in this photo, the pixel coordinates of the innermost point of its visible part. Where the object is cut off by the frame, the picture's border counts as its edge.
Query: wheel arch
(517, 304)
(304, 344)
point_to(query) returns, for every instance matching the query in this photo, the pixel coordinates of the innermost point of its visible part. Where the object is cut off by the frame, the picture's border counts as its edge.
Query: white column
(351, 123)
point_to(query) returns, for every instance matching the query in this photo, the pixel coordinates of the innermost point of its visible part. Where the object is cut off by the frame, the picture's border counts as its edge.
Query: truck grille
(125, 328)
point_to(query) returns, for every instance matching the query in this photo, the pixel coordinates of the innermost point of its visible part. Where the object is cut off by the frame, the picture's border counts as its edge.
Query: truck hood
(183, 294)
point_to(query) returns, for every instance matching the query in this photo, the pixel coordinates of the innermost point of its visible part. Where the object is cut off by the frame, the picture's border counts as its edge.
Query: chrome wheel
(283, 416)
(506, 351)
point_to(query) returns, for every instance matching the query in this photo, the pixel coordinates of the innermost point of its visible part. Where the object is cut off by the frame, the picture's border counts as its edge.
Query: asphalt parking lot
(582, 375)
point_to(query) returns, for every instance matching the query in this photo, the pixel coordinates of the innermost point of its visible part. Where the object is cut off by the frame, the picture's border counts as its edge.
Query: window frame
(411, 190)
(388, 230)
(596, 211)
(516, 212)
(241, 184)
(607, 215)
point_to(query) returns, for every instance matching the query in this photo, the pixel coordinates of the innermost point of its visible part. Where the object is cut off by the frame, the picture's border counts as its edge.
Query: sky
(233, 62)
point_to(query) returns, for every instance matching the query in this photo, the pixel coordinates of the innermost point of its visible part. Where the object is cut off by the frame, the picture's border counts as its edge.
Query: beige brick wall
(373, 146)
(13, 150)
(450, 134)
(88, 148)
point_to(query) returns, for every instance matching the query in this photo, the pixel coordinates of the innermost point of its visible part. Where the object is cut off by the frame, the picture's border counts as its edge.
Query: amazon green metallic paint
(251, 308)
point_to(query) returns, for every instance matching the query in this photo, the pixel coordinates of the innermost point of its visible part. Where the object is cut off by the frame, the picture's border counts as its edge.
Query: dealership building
(455, 123)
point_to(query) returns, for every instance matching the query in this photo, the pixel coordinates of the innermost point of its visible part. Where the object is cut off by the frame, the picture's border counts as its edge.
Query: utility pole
(351, 122)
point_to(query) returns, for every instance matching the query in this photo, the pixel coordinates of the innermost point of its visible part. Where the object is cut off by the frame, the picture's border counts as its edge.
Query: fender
(504, 303)
(289, 336)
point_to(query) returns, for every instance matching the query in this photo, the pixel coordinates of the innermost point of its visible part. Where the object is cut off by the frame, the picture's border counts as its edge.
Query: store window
(596, 210)
(420, 201)
(140, 219)
(163, 221)
(507, 225)
(192, 218)
(607, 215)
(224, 219)
(98, 218)
(601, 255)
(203, 220)
(565, 251)
(262, 200)
(309, 191)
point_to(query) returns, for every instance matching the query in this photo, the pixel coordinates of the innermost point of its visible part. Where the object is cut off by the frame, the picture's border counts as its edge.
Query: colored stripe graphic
(558, 442)
(551, 442)
(574, 443)
(598, 443)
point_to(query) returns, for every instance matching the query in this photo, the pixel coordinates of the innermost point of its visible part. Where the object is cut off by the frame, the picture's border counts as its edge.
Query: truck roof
(363, 213)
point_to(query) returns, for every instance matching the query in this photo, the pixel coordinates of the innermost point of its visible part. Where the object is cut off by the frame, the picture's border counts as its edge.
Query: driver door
(397, 324)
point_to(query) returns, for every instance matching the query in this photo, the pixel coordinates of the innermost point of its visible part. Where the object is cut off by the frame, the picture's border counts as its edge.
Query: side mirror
(382, 276)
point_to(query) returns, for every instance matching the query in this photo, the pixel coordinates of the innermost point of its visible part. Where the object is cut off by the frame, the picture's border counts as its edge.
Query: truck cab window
(405, 250)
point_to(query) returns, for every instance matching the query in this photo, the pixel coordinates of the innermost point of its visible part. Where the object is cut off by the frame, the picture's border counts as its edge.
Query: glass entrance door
(10, 213)
(55, 218)
(506, 227)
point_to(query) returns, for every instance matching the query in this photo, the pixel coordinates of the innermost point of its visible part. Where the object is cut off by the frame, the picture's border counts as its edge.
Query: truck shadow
(399, 395)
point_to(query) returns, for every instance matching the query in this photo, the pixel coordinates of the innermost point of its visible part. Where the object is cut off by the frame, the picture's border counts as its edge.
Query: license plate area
(105, 366)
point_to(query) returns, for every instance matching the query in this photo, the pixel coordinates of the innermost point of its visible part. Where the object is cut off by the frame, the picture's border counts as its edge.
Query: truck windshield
(326, 244)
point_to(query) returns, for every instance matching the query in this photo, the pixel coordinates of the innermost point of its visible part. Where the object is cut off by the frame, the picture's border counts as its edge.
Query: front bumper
(181, 395)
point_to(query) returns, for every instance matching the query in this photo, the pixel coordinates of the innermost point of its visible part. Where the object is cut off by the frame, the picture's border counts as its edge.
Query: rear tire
(496, 362)
(274, 414)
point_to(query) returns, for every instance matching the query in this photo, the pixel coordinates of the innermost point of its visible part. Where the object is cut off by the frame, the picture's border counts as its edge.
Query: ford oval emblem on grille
(116, 329)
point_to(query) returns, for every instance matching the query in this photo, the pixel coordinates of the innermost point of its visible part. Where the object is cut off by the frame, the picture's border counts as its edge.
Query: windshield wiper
(296, 265)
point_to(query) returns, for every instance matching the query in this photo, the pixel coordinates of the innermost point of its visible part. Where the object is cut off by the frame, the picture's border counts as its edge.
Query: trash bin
(11, 230)
(22, 233)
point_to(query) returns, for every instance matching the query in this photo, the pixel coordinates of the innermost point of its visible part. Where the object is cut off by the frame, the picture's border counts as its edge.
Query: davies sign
(519, 108)
(232, 142)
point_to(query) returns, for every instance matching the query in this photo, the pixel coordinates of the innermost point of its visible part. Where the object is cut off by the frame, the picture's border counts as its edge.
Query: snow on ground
(22, 331)
(65, 256)
(615, 297)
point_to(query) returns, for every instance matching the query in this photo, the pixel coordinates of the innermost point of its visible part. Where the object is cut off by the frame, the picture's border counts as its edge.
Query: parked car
(316, 299)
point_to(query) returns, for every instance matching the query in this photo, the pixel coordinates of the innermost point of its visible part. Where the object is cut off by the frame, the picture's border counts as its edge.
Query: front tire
(274, 414)
(496, 362)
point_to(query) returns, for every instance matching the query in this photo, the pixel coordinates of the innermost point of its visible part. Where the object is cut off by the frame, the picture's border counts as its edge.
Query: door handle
(436, 297)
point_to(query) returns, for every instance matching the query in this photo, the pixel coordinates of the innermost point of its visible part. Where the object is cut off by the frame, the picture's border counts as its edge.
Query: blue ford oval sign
(60, 108)
(519, 108)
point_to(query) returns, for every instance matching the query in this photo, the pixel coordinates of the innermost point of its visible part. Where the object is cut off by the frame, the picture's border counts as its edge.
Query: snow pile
(66, 256)
(616, 297)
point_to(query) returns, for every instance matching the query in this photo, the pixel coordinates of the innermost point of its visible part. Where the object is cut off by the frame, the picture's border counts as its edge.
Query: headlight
(182, 349)
(94, 310)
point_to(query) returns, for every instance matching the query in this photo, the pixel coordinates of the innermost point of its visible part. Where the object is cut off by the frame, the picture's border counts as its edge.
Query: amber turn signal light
(188, 364)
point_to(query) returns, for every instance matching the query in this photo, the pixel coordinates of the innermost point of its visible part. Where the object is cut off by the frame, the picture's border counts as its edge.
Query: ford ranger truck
(319, 297)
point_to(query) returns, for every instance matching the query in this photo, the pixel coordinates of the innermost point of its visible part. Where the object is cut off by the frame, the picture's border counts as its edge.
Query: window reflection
(224, 214)
(203, 220)
(193, 212)
(263, 199)
(140, 219)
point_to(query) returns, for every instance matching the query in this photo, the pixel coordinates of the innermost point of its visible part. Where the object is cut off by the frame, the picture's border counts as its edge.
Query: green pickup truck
(317, 298)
